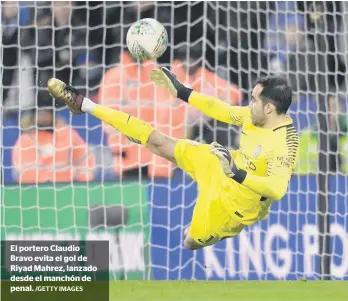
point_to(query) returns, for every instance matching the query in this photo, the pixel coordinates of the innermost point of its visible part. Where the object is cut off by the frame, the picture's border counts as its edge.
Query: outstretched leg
(142, 133)
(135, 129)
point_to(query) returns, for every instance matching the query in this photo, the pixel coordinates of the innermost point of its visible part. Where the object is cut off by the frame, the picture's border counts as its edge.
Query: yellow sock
(135, 129)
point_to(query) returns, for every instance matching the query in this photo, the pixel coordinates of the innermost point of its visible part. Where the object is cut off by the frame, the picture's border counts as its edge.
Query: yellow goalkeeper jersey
(267, 155)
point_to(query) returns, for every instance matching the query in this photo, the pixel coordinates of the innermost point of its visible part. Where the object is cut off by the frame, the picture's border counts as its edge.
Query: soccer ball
(147, 39)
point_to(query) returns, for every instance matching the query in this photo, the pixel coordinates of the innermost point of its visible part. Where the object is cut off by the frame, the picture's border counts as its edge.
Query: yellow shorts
(210, 221)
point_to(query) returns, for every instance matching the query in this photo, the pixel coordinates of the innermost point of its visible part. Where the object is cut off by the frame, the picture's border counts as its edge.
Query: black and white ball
(147, 39)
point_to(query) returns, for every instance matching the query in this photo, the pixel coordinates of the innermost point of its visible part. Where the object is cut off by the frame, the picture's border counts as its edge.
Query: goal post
(322, 98)
(141, 204)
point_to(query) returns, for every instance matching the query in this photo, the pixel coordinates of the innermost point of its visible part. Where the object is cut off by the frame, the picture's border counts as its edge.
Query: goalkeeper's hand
(227, 164)
(224, 156)
(165, 79)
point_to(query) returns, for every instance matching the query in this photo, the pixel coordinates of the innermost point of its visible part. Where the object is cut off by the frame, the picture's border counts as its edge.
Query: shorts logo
(208, 240)
(257, 151)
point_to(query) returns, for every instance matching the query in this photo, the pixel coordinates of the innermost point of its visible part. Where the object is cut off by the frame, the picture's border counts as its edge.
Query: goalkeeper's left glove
(227, 163)
(166, 79)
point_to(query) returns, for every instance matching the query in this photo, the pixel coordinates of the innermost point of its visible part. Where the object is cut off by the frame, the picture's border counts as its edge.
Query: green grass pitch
(229, 290)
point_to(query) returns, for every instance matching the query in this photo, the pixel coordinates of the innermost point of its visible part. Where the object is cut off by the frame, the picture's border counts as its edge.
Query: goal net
(71, 177)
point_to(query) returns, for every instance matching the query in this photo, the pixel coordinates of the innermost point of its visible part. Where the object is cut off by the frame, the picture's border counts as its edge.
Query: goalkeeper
(235, 188)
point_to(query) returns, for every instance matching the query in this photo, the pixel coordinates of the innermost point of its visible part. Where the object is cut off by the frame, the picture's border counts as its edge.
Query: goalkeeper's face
(258, 108)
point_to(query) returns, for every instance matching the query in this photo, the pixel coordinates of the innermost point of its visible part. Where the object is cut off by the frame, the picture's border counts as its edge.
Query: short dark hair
(276, 90)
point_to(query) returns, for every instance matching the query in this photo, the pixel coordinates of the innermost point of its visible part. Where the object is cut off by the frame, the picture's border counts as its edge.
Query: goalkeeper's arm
(273, 186)
(210, 106)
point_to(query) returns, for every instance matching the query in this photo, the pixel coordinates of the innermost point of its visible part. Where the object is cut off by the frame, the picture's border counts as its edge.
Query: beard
(257, 121)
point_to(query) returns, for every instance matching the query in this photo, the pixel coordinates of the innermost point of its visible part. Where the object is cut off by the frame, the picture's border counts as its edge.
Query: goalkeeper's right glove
(166, 79)
(227, 164)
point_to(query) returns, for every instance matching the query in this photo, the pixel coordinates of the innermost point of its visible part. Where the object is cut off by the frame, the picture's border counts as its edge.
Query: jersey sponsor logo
(257, 151)
(248, 163)
(285, 161)
(251, 166)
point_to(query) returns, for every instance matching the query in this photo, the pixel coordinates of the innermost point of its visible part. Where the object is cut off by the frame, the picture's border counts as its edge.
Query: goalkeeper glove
(227, 163)
(166, 79)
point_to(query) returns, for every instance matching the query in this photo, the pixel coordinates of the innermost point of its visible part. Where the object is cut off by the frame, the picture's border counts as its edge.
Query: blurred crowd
(217, 48)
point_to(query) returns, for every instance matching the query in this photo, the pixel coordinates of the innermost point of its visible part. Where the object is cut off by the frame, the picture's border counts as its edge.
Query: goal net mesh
(71, 177)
